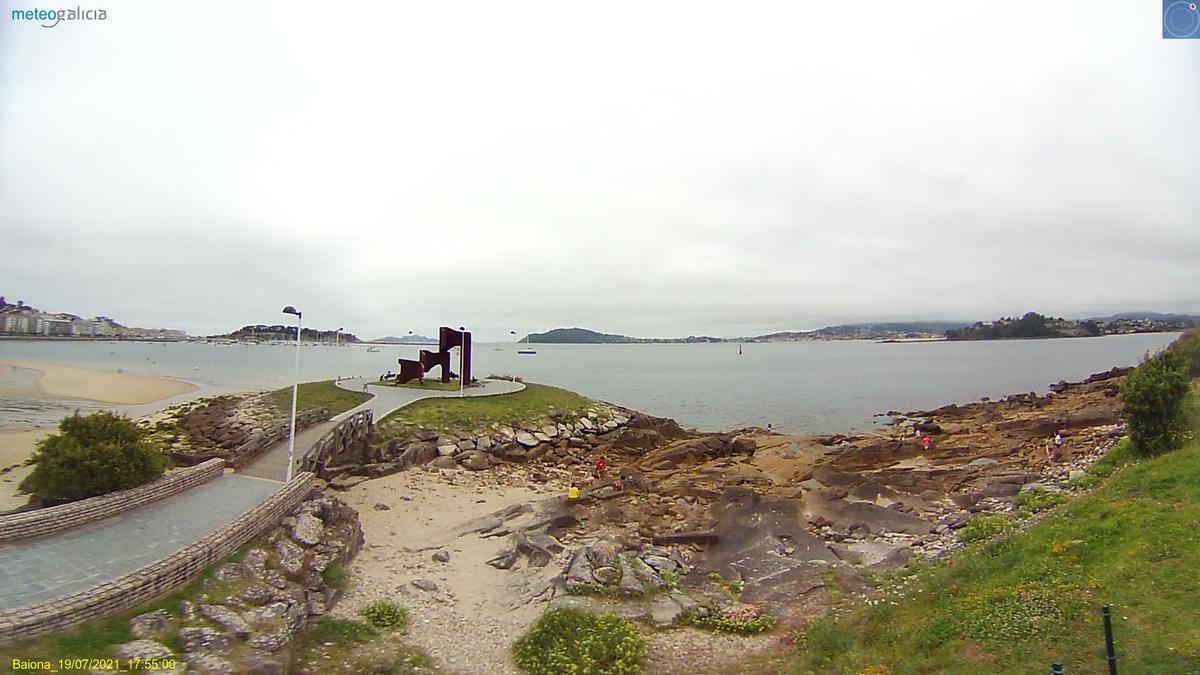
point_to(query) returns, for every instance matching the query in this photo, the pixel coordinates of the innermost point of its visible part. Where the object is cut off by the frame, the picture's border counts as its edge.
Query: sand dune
(95, 385)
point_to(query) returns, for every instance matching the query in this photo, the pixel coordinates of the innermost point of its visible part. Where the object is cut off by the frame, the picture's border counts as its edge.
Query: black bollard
(1056, 669)
(1108, 640)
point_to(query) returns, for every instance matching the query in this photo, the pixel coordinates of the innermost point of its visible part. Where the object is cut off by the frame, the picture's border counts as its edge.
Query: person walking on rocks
(601, 468)
(926, 442)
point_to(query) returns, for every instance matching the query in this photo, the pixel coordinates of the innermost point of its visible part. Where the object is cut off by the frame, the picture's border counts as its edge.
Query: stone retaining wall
(65, 516)
(268, 437)
(349, 431)
(157, 578)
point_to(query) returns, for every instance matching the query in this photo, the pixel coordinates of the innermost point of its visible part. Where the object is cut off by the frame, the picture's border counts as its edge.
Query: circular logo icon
(1181, 19)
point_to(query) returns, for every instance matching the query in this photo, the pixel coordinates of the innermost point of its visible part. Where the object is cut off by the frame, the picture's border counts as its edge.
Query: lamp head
(291, 310)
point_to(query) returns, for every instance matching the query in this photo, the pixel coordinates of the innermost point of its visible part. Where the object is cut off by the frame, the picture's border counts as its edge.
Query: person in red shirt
(926, 442)
(601, 466)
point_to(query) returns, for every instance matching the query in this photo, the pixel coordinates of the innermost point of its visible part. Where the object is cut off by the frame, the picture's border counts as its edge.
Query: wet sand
(15, 448)
(118, 388)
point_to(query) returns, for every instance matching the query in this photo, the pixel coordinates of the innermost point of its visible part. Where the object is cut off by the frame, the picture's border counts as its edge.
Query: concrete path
(41, 569)
(272, 462)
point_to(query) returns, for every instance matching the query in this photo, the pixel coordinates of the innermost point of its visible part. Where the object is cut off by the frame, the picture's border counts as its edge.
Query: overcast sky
(653, 169)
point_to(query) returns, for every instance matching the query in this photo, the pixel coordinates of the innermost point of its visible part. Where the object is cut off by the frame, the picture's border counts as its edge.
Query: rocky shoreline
(747, 529)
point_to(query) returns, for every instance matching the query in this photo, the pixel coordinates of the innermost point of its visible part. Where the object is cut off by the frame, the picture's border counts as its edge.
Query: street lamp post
(295, 392)
(337, 337)
(461, 384)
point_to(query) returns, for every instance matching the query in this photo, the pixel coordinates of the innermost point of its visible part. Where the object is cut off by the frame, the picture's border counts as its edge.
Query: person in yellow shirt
(573, 492)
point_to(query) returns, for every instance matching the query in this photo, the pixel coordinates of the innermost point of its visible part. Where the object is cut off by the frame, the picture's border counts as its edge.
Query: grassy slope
(529, 404)
(315, 395)
(1018, 604)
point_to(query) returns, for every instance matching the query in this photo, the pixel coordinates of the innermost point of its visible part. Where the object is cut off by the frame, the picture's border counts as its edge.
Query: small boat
(526, 350)
(372, 349)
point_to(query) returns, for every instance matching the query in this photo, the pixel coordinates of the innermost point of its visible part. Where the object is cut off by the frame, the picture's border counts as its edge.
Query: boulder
(291, 557)
(258, 662)
(143, 650)
(447, 450)
(271, 641)
(665, 611)
(476, 461)
(308, 530)
(425, 585)
(151, 624)
(605, 575)
(208, 664)
(226, 618)
(441, 556)
(527, 439)
(204, 639)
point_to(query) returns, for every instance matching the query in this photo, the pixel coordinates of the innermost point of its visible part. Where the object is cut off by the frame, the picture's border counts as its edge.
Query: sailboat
(526, 350)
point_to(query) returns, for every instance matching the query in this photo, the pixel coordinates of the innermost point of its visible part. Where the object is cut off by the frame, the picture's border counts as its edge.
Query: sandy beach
(47, 381)
(15, 448)
(95, 385)
(476, 611)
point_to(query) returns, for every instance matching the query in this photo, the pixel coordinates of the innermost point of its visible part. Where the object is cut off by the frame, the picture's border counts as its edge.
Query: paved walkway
(41, 569)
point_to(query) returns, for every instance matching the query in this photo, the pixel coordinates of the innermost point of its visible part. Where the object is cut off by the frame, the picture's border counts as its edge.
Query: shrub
(385, 614)
(1187, 346)
(1152, 403)
(1033, 501)
(730, 624)
(985, 527)
(581, 643)
(336, 577)
(92, 455)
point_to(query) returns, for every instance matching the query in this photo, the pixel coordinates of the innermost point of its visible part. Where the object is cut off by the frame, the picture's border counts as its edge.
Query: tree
(92, 455)
(1152, 403)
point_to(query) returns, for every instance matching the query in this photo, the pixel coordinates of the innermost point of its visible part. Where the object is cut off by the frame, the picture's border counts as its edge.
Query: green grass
(468, 414)
(1019, 603)
(343, 645)
(315, 395)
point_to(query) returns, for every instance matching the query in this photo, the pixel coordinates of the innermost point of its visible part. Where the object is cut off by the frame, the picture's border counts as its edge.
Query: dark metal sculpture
(410, 370)
(448, 338)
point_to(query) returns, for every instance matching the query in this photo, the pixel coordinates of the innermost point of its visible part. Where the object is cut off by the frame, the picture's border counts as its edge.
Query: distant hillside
(865, 331)
(1150, 316)
(1034, 325)
(405, 340)
(263, 333)
(577, 336)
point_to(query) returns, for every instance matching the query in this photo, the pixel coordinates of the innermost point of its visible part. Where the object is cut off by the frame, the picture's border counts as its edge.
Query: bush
(385, 614)
(1033, 501)
(336, 577)
(729, 624)
(985, 527)
(92, 455)
(1187, 346)
(580, 643)
(1152, 403)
